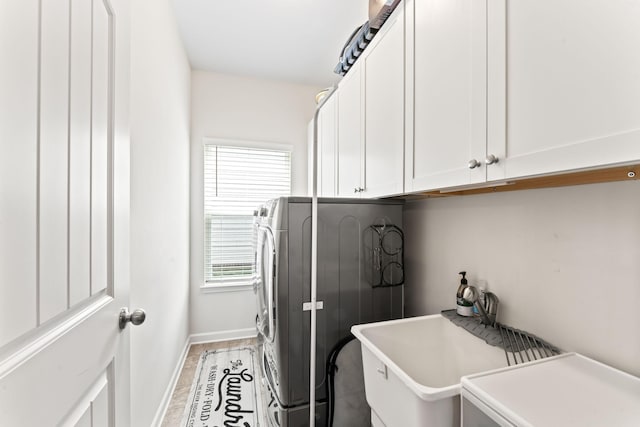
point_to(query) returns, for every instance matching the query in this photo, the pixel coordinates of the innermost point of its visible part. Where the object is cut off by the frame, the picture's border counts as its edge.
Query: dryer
(347, 233)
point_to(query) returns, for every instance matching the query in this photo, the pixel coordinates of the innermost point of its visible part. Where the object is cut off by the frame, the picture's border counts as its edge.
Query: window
(237, 180)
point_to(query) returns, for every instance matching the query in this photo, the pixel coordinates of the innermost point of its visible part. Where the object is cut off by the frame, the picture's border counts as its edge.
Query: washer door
(265, 282)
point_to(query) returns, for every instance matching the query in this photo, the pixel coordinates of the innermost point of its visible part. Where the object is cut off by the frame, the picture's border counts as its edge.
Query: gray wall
(564, 262)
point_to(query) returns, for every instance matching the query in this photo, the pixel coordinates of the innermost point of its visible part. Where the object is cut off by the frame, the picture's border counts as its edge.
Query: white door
(327, 149)
(64, 212)
(564, 85)
(446, 93)
(350, 133)
(384, 111)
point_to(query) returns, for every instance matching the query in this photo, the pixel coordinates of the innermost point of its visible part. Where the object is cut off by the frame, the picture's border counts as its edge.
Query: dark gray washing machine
(357, 263)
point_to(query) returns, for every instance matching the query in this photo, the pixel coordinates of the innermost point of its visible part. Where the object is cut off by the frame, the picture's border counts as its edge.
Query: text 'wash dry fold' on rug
(224, 391)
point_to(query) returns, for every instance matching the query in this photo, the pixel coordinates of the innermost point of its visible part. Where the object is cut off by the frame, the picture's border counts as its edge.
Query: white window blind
(236, 181)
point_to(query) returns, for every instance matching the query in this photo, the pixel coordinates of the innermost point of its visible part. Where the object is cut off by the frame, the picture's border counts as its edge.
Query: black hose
(331, 370)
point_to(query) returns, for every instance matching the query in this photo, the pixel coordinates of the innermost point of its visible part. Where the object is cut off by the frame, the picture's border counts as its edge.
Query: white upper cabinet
(327, 141)
(350, 133)
(502, 89)
(371, 117)
(445, 93)
(563, 85)
(384, 111)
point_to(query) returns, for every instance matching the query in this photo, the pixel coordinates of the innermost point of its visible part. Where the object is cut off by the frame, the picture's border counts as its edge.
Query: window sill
(214, 288)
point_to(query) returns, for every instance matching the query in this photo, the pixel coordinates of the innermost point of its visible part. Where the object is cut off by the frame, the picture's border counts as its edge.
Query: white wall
(564, 262)
(160, 102)
(241, 108)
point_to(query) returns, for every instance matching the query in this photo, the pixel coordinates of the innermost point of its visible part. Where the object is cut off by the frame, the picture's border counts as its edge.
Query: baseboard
(166, 398)
(196, 339)
(234, 334)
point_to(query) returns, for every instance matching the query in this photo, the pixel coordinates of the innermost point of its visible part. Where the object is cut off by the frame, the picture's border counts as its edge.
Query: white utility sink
(412, 369)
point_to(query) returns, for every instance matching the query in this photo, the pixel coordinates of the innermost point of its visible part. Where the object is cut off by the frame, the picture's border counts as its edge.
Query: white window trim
(212, 288)
(243, 284)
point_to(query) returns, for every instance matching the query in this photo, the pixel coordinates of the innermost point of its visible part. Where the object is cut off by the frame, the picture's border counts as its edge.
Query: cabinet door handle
(355, 190)
(473, 163)
(491, 159)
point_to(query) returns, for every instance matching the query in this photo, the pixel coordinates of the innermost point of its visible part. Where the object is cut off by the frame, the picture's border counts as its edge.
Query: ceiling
(293, 40)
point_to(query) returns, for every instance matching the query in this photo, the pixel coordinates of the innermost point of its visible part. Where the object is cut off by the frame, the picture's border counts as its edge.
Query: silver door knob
(473, 163)
(491, 159)
(136, 317)
(355, 190)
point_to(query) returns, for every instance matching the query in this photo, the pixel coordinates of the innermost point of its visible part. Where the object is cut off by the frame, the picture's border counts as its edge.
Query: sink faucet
(487, 312)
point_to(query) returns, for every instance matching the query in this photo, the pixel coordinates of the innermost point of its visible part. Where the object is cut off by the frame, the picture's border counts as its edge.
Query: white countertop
(566, 390)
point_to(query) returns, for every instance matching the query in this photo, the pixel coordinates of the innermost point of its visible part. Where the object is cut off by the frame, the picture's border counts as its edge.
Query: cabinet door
(384, 111)
(445, 92)
(350, 133)
(327, 149)
(571, 96)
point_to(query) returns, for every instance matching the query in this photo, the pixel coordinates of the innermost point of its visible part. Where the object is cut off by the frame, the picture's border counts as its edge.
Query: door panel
(93, 409)
(64, 365)
(99, 147)
(53, 166)
(384, 113)
(100, 408)
(350, 133)
(565, 98)
(18, 162)
(327, 149)
(85, 421)
(448, 52)
(65, 210)
(80, 153)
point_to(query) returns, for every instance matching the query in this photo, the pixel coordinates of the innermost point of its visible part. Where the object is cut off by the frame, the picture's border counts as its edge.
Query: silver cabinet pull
(473, 163)
(491, 159)
(136, 317)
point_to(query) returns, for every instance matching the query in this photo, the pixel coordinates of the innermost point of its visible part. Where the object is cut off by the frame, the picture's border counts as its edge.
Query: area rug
(224, 392)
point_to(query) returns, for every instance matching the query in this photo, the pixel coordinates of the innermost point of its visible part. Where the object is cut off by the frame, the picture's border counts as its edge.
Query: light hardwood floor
(174, 413)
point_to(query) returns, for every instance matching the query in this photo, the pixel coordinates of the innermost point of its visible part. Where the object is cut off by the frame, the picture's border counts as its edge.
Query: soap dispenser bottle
(463, 307)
